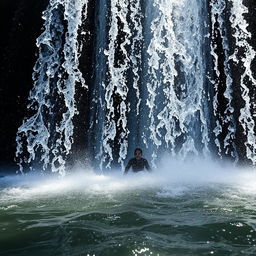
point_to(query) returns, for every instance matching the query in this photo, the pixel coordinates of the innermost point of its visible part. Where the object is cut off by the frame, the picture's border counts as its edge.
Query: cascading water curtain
(218, 9)
(164, 78)
(231, 28)
(46, 136)
(176, 95)
(116, 93)
(153, 93)
(116, 85)
(247, 117)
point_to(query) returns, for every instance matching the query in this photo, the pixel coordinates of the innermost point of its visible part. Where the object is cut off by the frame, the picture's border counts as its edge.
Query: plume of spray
(171, 178)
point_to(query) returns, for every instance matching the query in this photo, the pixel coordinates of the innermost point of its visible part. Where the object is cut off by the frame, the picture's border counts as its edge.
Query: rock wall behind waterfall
(20, 25)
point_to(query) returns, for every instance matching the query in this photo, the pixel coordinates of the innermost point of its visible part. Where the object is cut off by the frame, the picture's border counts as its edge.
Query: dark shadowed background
(20, 25)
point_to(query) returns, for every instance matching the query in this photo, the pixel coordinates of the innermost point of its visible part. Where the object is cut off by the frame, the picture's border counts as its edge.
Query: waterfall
(164, 78)
(176, 96)
(48, 133)
(244, 59)
(229, 24)
(224, 118)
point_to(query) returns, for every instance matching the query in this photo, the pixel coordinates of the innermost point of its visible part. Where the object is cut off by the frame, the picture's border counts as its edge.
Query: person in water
(138, 163)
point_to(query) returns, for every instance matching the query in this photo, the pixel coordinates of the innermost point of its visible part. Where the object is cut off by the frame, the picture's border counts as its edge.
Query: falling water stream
(174, 77)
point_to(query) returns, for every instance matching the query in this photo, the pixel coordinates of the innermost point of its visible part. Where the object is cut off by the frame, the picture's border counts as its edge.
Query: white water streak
(176, 42)
(242, 35)
(136, 48)
(217, 11)
(36, 129)
(117, 82)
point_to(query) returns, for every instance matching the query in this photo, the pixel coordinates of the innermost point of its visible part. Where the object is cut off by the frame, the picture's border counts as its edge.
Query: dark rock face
(20, 25)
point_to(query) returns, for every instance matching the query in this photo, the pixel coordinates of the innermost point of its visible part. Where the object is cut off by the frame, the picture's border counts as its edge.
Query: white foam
(172, 179)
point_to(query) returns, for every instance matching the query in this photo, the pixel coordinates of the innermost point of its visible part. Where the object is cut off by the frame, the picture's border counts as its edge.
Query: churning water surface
(180, 209)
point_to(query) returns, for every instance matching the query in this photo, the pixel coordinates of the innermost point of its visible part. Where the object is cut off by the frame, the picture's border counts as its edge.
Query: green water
(138, 216)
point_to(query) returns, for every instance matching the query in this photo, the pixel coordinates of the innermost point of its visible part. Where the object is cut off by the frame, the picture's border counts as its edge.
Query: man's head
(137, 153)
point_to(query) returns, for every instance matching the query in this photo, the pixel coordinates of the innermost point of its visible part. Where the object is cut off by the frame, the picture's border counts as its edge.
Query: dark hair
(137, 149)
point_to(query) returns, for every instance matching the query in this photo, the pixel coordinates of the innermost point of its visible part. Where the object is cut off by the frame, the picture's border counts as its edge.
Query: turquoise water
(177, 213)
